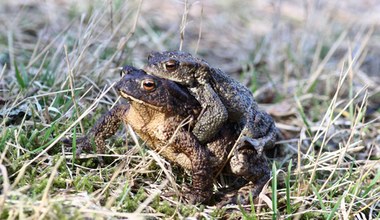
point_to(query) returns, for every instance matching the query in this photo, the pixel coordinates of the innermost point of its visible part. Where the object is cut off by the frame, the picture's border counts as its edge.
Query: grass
(313, 67)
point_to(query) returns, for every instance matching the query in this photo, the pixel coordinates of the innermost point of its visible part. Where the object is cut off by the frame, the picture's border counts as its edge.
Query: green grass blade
(19, 78)
(46, 138)
(253, 211)
(336, 206)
(372, 184)
(319, 199)
(274, 191)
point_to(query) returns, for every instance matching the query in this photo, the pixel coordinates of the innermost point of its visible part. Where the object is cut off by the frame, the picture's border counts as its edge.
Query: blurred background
(288, 36)
(279, 49)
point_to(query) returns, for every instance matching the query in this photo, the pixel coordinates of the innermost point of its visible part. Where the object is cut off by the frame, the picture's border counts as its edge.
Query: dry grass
(314, 65)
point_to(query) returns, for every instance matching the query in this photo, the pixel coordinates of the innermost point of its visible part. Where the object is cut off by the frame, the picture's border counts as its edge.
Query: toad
(223, 99)
(162, 113)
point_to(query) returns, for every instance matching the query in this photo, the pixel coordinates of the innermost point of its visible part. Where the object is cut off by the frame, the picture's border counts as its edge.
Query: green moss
(39, 186)
(4, 213)
(218, 213)
(6, 135)
(59, 183)
(188, 210)
(163, 207)
(61, 211)
(312, 215)
(86, 183)
(129, 201)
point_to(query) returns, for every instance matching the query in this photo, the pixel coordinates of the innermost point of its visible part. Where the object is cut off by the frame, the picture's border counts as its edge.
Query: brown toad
(222, 98)
(159, 111)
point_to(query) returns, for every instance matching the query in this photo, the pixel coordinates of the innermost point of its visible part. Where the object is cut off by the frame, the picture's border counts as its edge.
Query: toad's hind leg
(260, 132)
(253, 167)
(248, 160)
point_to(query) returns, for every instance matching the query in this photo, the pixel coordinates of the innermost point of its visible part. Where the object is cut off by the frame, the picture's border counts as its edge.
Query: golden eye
(148, 85)
(171, 65)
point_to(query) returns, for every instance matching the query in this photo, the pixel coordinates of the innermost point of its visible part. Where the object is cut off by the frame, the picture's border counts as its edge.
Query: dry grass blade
(5, 187)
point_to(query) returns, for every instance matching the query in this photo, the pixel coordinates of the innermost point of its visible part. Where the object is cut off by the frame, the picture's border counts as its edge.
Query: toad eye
(148, 85)
(171, 65)
(122, 73)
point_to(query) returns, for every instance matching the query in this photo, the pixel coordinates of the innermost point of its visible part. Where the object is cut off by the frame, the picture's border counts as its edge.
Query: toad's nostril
(128, 69)
(118, 86)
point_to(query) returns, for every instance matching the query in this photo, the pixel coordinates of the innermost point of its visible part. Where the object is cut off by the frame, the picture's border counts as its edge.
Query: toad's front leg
(213, 116)
(105, 127)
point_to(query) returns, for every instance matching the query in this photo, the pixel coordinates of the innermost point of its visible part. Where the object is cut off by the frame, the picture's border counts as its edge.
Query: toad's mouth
(132, 100)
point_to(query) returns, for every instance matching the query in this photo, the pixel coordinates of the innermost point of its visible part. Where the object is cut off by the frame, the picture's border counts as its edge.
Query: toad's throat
(132, 99)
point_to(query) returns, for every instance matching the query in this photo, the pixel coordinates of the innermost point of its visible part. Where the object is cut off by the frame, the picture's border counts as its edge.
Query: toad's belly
(158, 136)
